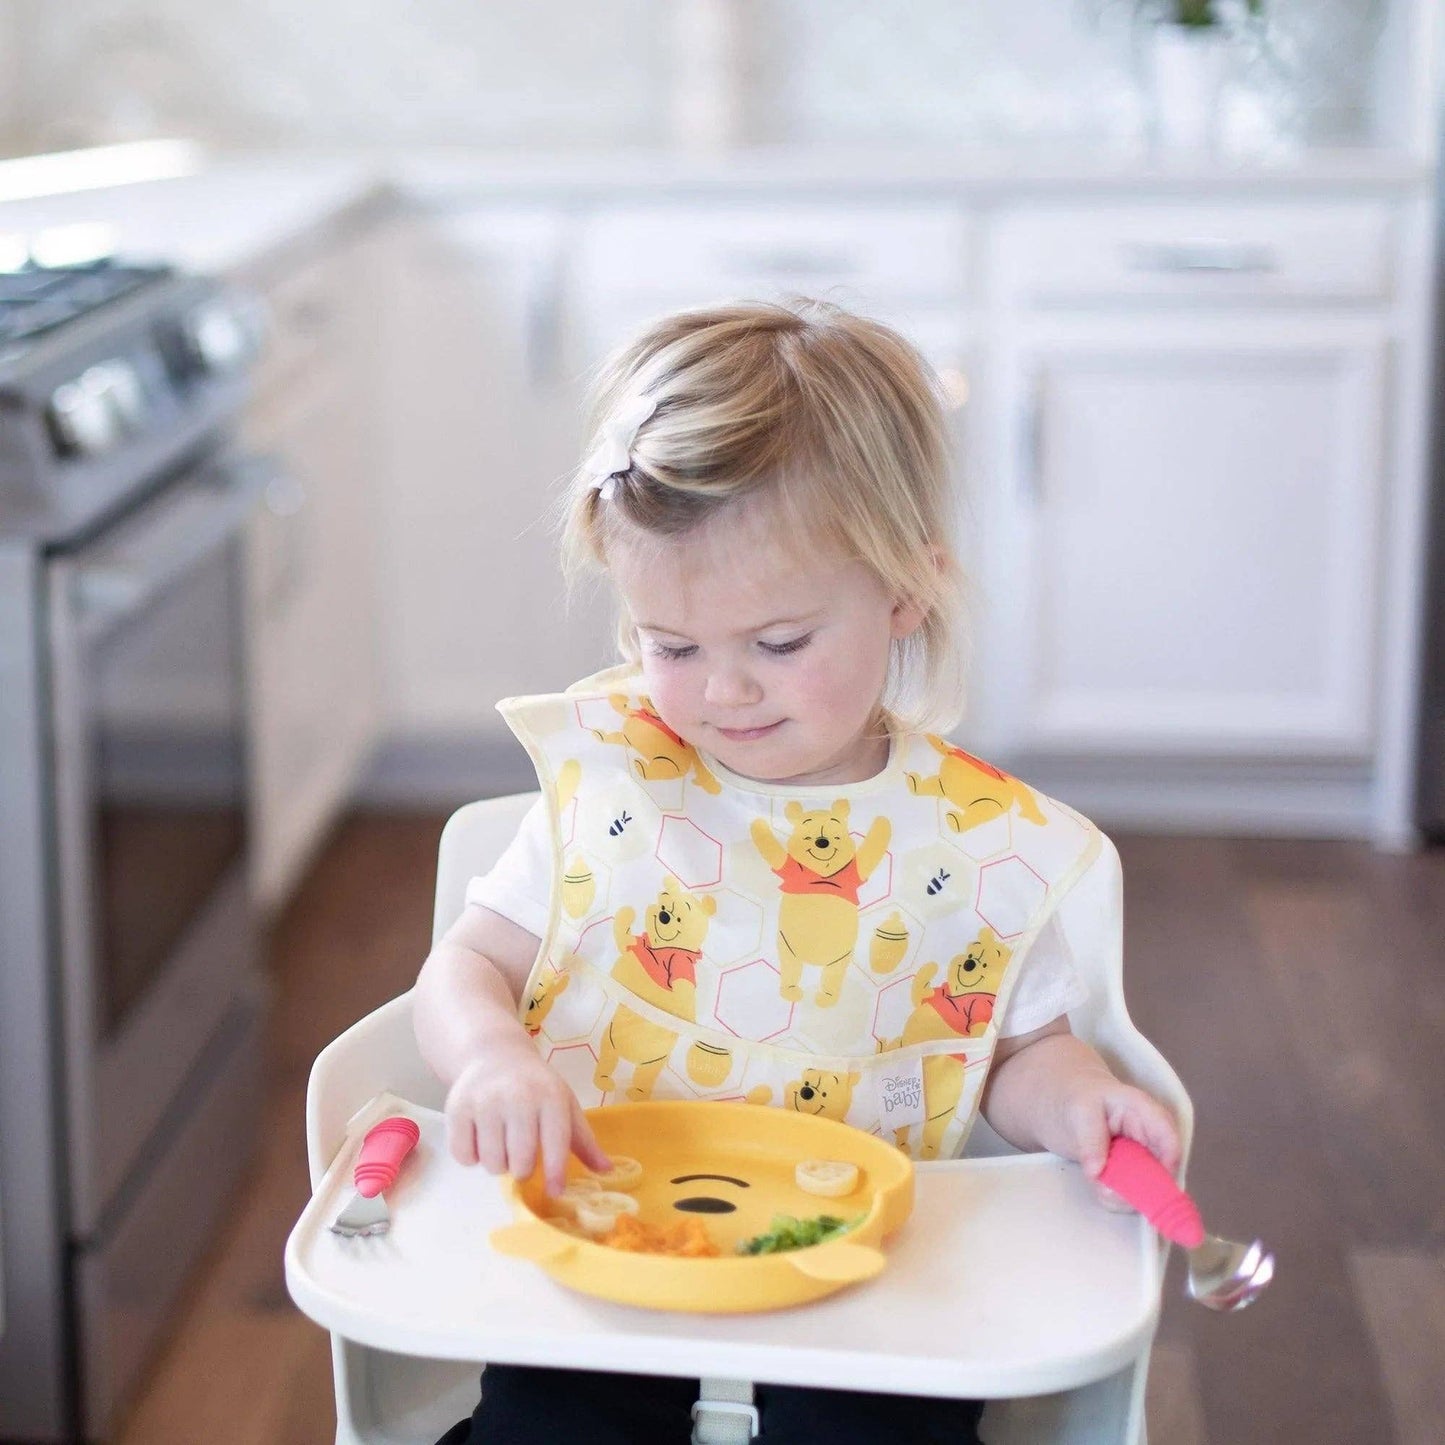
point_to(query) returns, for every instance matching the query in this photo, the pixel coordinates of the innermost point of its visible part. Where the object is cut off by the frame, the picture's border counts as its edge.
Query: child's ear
(908, 614)
(907, 619)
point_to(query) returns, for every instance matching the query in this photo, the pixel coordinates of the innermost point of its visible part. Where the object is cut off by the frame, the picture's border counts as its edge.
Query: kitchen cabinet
(1185, 421)
(483, 429)
(313, 680)
(1188, 535)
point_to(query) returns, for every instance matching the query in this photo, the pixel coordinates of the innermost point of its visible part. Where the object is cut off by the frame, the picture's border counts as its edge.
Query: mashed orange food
(688, 1238)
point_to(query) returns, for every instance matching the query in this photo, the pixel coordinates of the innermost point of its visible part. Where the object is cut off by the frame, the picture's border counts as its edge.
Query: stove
(131, 997)
(108, 373)
(35, 299)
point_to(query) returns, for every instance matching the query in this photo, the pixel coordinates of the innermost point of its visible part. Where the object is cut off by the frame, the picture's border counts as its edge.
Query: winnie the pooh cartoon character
(661, 754)
(544, 993)
(820, 871)
(823, 1092)
(960, 1007)
(976, 788)
(659, 965)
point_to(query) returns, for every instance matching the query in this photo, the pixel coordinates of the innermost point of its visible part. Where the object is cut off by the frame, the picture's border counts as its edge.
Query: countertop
(242, 213)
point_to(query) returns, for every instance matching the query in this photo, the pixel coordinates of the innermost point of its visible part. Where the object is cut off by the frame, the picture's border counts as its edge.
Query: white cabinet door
(1186, 541)
(483, 424)
(311, 653)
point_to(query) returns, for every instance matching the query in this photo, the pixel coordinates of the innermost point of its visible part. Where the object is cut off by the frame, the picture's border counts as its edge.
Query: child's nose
(732, 687)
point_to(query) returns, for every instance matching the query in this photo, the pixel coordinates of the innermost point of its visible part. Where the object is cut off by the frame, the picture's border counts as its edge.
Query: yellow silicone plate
(737, 1155)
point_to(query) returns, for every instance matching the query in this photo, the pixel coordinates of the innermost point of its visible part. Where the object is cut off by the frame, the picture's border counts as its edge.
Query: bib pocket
(921, 1097)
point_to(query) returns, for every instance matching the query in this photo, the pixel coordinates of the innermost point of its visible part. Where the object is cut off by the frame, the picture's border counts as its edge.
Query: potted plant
(1191, 49)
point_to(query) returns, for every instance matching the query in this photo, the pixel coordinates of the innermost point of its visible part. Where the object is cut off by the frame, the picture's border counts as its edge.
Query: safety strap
(724, 1413)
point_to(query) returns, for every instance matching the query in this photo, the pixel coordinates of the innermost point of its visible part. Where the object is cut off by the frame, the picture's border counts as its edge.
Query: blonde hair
(834, 418)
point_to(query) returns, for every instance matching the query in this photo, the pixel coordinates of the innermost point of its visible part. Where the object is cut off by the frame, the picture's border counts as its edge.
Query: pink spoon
(1222, 1275)
(382, 1151)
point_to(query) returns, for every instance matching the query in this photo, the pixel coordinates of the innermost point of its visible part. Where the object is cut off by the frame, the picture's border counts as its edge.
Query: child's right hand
(509, 1107)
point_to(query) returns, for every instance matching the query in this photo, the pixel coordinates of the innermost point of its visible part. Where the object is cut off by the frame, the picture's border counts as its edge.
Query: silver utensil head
(362, 1217)
(1226, 1276)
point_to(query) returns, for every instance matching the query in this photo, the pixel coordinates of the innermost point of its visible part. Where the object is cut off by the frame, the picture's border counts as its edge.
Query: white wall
(596, 72)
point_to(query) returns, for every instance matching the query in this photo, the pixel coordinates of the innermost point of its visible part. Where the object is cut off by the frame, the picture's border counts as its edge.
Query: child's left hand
(1095, 1108)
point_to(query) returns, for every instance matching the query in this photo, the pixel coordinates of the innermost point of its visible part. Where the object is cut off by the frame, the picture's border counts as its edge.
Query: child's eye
(780, 649)
(661, 649)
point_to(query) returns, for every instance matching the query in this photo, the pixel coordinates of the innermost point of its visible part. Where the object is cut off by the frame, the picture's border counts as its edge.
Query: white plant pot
(1189, 70)
(706, 100)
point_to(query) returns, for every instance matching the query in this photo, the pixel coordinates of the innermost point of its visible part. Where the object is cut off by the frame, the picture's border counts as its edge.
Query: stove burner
(35, 299)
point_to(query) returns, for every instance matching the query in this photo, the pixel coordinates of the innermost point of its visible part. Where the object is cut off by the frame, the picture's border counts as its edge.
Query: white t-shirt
(519, 888)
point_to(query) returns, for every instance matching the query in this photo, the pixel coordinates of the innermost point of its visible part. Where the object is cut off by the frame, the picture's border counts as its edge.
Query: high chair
(401, 1399)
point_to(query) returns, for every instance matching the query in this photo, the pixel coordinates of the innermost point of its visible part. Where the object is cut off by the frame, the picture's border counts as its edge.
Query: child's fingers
(491, 1146)
(584, 1142)
(555, 1129)
(1116, 1203)
(1149, 1123)
(521, 1135)
(461, 1136)
(1091, 1136)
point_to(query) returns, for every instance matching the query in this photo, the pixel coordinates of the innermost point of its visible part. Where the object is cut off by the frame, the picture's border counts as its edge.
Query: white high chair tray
(1009, 1279)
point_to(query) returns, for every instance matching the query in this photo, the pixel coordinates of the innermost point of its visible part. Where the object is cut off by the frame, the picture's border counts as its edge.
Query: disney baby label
(899, 1100)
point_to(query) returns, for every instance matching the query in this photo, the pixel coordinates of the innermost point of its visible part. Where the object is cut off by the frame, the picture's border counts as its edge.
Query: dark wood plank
(1297, 987)
(243, 1366)
(1403, 1295)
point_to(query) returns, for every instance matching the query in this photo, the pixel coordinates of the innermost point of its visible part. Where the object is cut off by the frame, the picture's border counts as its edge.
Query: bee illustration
(935, 885)
(618, 824)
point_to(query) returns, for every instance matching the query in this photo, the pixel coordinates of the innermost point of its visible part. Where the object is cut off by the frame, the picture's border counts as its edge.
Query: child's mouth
(746, 735)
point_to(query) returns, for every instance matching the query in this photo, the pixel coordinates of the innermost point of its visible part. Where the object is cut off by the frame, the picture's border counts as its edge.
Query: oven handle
(189, 524)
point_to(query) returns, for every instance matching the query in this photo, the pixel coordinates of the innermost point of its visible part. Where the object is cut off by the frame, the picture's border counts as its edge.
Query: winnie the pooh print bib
(841, 949)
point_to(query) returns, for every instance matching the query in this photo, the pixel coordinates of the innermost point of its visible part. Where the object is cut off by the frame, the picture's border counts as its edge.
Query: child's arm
(505, 1106)
(1050, 1090)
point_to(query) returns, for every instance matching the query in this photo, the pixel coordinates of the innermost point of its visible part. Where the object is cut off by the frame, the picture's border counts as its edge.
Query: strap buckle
(704, 1434)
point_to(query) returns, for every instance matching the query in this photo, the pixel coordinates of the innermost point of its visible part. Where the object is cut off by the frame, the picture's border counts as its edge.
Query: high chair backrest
(386, 1397)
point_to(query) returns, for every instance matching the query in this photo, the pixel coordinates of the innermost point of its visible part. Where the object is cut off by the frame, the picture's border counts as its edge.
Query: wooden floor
(1298, 988)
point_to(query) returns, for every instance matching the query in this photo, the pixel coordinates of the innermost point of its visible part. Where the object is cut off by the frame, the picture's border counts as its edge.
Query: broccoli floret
(790, 1233)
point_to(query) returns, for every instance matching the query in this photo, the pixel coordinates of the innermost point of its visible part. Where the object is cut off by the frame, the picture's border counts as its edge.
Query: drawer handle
(787, 263)
(1190, 257)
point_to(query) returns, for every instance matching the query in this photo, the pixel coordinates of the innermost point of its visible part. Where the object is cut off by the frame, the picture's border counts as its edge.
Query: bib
(843, 949)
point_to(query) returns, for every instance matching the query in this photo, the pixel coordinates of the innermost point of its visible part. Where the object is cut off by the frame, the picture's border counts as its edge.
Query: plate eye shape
(705, 1204)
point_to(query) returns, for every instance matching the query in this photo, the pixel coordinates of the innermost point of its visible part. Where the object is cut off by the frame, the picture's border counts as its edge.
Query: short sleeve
(1049, 984)
(519, 887)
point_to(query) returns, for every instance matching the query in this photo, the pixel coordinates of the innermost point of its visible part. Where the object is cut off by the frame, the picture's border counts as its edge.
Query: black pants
(520, 1403)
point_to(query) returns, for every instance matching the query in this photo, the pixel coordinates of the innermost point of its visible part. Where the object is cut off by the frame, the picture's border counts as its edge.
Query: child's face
(768, 657)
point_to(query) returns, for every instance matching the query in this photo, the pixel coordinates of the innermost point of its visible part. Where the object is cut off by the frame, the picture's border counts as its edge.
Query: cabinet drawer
(1331, 250)
(873, 251)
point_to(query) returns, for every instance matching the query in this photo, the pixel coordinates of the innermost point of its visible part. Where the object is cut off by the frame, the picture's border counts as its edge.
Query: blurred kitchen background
(1178, 284)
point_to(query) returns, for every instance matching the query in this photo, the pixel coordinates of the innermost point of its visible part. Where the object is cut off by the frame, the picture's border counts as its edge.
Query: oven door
(157, 938)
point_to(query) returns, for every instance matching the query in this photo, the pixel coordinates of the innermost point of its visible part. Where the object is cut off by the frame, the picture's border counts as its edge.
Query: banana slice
(576, 1190)
(831, 1178)
(598, 1212)
(626, 1173)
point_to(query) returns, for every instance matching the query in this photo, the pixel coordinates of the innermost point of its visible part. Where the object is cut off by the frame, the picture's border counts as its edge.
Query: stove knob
(103, 405)
(220, 337)
(82, 418)
(119, 382)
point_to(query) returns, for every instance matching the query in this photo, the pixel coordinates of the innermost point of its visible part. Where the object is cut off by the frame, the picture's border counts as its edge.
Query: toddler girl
(755, 871)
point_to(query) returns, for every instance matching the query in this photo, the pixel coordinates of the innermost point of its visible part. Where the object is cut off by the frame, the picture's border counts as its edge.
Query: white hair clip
(613, 453)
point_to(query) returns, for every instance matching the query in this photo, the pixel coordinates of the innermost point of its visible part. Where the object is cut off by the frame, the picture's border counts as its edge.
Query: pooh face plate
(733, 1167)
